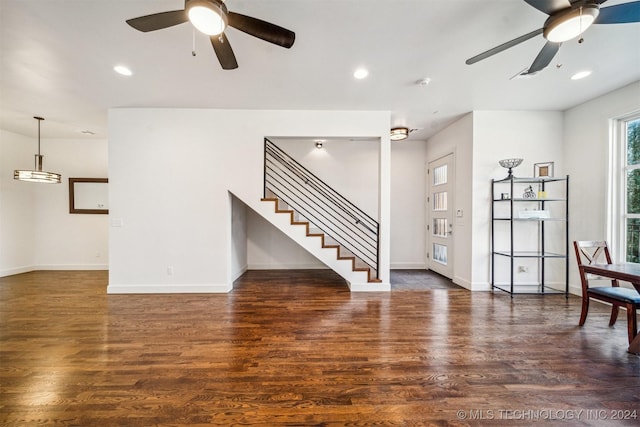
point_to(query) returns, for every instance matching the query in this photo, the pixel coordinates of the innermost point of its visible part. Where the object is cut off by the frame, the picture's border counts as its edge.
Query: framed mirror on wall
(88, 195)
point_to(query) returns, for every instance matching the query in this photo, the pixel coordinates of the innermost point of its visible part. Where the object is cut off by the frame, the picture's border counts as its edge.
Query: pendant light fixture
(37, 175)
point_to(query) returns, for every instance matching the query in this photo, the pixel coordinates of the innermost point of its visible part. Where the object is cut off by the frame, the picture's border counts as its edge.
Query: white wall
(170, 173)
(17, 207)
(350, 167)
(37, 230)
(270, 249)
(408, 216)
(536, 137)
(238, 238)
(457, 138)
(67, 241)
(587, 156)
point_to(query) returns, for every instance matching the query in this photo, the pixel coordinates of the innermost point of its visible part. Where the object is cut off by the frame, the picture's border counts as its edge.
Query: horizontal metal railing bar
(296, 200)
(321, 206)
(350, 210)
(344, 199)
(339, 236)
(288, 159)
(299, 204)
(331, 210)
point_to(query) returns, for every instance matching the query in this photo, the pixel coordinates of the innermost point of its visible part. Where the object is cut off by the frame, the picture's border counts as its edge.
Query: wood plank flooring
(296, 348)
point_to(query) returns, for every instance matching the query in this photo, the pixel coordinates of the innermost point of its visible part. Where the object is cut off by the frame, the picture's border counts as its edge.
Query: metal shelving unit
(509, 215)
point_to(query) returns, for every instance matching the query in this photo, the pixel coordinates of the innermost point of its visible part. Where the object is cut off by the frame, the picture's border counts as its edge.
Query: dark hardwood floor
(296, 348)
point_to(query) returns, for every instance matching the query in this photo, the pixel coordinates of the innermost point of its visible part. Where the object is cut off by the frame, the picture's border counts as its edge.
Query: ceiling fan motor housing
(570, 22)
(208, 16)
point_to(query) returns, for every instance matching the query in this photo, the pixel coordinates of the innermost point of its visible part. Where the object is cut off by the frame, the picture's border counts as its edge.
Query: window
(628, 229)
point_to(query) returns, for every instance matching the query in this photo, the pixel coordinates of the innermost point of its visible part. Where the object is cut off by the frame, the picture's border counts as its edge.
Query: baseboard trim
(17, 270)
(80, 267)
(464, 283)
(168, 289)
(313, 266)
(408, 266)
(240, 273)
(369, 287)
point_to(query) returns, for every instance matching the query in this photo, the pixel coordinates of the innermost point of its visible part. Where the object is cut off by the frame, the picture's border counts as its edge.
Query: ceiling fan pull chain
(559, 63)
(193, 43)
(581, 39)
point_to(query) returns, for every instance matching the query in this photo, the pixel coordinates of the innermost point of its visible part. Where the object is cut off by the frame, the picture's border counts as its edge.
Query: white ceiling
(57, 58)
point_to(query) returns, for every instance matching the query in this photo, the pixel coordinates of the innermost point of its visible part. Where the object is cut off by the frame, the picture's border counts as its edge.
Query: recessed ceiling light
(123, 70)
(361, 73)
(581, 75)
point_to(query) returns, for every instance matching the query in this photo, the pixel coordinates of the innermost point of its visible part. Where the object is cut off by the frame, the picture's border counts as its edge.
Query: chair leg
(632, 323)
(614, 314)
(585, 310)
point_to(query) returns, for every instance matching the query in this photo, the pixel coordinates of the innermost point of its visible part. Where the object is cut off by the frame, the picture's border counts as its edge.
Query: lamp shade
(37, 176)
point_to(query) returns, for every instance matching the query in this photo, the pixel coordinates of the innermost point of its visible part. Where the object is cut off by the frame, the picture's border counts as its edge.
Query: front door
(440, 216)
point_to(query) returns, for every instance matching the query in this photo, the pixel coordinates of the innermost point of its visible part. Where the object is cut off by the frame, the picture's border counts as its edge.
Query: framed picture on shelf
(543, 170)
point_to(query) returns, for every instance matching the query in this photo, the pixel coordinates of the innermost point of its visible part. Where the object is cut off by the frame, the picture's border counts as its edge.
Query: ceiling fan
(567, 19)
(211, 17)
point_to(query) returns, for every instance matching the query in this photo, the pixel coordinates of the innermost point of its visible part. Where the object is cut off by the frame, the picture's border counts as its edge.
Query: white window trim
(616, 197)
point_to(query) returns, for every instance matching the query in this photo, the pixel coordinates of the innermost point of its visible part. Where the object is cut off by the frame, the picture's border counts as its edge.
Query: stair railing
(321, 205)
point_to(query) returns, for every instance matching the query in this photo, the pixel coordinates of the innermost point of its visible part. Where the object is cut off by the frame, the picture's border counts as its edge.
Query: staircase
(320, 219)
(326, 242)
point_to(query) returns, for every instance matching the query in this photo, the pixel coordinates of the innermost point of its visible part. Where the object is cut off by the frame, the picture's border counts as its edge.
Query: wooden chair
(597, 252)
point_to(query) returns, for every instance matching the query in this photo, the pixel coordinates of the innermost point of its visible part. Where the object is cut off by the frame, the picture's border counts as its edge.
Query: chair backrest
(591, 252)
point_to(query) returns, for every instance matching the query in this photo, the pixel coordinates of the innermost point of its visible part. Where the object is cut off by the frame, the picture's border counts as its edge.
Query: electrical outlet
(170, 271)
(523, 269)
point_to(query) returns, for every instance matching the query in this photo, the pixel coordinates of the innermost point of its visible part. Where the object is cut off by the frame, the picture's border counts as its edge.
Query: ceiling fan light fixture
(399, 133)
(37, 175)
(568, 25)
(209, 17)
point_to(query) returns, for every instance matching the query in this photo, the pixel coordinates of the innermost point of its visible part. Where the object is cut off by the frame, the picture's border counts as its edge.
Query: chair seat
(624, 294)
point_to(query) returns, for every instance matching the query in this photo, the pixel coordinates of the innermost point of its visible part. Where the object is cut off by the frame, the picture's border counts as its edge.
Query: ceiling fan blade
(544, 58)
(619, 14)
(158, 21)
(224, 52)
(549, 6)
(261, 29)
(503, 46)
